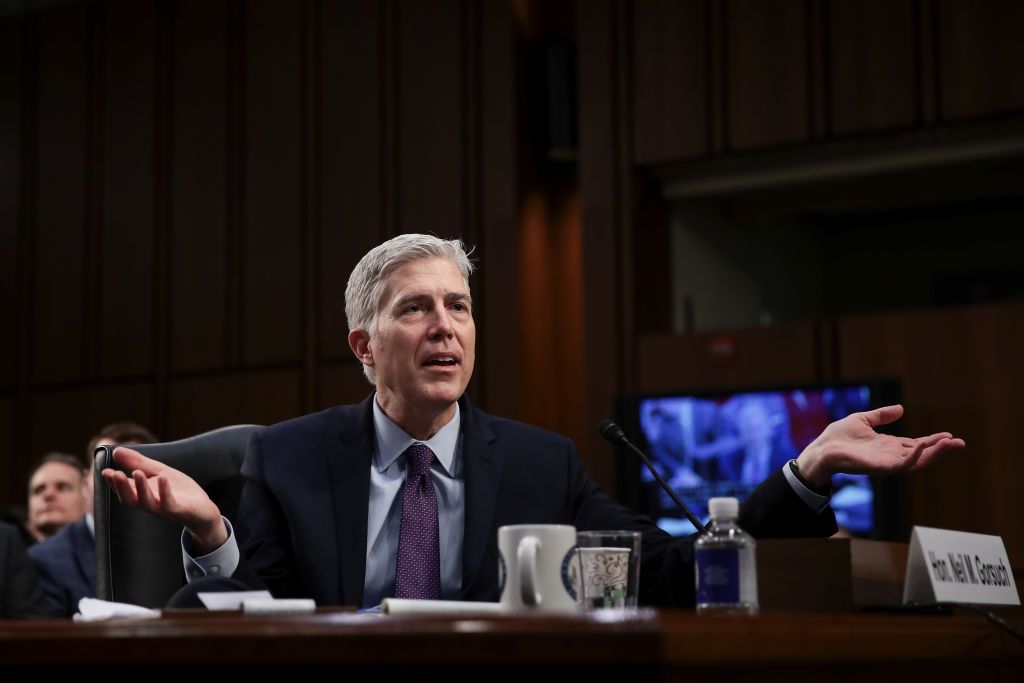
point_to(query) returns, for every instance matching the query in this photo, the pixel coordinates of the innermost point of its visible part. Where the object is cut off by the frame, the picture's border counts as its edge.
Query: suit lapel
(349, 466)
(482, 462)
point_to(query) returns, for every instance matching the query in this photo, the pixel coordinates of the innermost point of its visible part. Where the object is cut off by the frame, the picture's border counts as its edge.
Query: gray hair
(369, 278)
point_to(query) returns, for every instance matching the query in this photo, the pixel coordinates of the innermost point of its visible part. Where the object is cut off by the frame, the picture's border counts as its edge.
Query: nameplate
(954, 566)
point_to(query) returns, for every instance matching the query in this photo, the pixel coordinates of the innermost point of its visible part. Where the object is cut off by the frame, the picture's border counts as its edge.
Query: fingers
(933, 439)
(136, 491)
(132, 460)
(149, 498)
(911, 460)
(166, 493)
(884, 415)
(926, 449)
(908, 442)
(122, 485)
(936, 449)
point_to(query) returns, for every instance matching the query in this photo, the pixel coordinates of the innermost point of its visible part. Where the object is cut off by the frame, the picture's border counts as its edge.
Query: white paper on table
(406, 606)
(231, 600)
(92, 609)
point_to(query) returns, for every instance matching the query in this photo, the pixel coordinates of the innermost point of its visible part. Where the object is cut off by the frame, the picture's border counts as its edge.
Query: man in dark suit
(67, 567)
(20, 597)
(512, 473)
(403, 494)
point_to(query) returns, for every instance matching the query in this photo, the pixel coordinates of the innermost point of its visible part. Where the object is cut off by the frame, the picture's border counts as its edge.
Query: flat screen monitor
(725, 443)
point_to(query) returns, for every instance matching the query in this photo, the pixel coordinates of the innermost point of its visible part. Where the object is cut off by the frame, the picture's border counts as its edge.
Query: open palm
(852, 445)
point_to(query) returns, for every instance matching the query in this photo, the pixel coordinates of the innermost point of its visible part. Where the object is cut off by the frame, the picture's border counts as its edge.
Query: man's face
(424, 347)
(55, 497)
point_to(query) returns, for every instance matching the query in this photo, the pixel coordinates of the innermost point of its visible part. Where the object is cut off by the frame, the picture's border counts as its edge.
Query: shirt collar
(91, 523)
(392, 440)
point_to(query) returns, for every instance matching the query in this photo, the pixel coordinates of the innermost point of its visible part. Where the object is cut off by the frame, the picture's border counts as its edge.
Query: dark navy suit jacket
(302, 519)
(66, 563)
(20, 596)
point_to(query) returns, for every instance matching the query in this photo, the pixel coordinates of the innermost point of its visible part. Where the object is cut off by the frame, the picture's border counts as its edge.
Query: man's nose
(442, 324)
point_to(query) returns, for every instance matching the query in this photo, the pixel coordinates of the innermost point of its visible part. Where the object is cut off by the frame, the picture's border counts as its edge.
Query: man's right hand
(165, 491)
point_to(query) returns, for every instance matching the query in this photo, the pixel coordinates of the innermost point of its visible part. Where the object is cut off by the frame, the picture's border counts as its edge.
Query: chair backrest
(138, 555)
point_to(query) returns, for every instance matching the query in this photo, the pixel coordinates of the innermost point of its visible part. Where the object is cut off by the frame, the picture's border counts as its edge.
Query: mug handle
(526, 559)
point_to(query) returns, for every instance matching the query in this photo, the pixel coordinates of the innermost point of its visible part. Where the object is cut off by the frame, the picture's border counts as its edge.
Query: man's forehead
(56, 470)
(425, 277)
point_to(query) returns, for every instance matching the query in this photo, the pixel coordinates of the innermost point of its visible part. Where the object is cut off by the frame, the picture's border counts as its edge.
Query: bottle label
(718, 575)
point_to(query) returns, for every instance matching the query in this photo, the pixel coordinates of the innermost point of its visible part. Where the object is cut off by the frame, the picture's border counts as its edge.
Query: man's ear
(359, 342)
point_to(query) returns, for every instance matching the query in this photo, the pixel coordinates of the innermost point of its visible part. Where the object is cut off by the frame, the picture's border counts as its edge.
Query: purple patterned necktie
(418, 571)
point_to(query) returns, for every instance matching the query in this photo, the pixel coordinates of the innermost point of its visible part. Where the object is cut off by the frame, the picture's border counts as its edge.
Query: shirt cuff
(815, 501)
(221, 562)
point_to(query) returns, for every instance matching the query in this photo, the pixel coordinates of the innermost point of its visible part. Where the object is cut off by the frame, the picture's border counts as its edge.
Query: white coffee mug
(533, 567)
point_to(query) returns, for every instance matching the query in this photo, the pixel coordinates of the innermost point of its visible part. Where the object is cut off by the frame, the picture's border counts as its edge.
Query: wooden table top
(665, 642)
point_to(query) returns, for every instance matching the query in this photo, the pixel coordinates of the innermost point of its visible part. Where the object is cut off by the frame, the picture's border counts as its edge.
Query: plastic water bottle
(726, 563)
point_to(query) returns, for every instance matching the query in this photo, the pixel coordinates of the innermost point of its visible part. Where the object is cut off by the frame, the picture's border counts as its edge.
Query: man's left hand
(852, 445)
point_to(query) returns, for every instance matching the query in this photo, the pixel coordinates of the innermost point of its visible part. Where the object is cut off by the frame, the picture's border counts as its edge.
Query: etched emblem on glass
(605, 573)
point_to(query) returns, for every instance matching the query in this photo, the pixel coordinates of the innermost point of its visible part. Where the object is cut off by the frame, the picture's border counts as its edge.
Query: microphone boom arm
(613, 432)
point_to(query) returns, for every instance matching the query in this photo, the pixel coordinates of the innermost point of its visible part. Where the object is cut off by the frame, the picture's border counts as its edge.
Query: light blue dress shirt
(383, 523)
(384, 515)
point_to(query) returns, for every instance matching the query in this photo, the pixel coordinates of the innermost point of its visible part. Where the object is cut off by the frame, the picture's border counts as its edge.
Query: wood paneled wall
(713, 77)
(781, 354)
(185, 187)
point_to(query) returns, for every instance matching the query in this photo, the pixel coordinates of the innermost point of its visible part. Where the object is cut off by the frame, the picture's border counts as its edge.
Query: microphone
(613, 433)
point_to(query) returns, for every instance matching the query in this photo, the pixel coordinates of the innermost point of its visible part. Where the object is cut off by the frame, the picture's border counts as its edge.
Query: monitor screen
(726, 443)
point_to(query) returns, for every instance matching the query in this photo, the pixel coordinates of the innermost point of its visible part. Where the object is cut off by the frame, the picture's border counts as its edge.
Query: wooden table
(652, 645)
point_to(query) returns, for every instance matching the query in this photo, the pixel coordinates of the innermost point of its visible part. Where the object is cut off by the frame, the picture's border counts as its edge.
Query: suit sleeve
(667, 576)
(20, 595)
(267, 561)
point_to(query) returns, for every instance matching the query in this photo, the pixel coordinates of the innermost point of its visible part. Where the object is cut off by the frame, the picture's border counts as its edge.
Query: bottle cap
(724, 508)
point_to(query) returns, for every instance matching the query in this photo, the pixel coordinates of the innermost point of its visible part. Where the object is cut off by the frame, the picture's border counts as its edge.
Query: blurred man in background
(67, 561)
(57, 494)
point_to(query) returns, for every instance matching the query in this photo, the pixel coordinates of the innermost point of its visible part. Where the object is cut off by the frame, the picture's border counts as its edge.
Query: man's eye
(460, 307)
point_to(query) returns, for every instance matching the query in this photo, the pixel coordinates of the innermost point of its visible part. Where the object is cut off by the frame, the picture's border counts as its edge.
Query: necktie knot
(418, 458)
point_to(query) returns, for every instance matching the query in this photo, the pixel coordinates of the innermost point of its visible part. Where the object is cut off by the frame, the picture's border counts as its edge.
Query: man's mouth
(442, 360)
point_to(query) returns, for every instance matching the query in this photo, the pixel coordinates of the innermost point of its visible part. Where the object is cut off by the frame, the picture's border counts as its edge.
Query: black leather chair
(138, 555)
